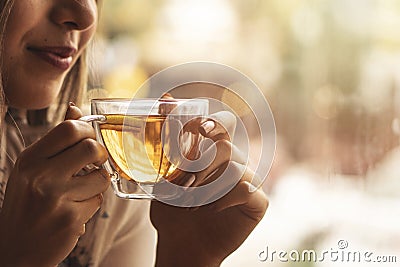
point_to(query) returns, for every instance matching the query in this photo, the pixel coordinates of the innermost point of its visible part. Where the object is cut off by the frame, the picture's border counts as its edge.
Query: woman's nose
(75, 14)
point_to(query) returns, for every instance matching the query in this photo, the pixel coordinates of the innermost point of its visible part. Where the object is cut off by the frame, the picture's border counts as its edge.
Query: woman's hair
(72, 89)
(5, 7)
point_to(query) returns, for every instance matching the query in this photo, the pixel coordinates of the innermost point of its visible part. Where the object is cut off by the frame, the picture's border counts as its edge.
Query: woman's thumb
(73, 112)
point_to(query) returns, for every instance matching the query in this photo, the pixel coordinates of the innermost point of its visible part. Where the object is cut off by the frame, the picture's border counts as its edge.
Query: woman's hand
(46, 205)
(206, 235)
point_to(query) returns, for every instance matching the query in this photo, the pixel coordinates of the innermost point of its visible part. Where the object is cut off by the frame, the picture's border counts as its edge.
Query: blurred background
(330, 70)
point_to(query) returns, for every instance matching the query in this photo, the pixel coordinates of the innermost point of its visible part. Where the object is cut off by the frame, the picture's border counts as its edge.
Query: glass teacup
(147, 141)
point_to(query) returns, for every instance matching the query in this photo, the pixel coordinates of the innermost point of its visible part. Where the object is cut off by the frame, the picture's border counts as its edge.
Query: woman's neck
(16, 115)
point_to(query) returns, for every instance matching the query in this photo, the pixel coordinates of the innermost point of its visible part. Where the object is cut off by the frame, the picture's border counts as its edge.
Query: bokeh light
(331, 72)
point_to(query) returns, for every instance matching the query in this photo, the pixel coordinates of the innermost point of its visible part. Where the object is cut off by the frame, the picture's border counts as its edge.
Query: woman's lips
(59, 57)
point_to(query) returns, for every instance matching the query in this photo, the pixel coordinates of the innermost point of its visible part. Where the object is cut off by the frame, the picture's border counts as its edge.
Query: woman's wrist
(171, 253)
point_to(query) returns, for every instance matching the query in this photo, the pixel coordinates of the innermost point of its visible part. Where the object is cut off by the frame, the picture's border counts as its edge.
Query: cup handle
(88, 119)
(101, 118)
(91, 118)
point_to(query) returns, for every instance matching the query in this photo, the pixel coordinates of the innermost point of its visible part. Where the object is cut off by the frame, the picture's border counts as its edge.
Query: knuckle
(90, 146)
(42, 190)
(40, 181)
(46, 192)
(224, 145)
(34, 178)
(70, 128)
(26, 161)
(103, 154)
(75, 129)
(243, 188)
(95, 150)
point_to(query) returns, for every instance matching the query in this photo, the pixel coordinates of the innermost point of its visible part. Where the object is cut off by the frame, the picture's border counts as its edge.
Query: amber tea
(141, 145)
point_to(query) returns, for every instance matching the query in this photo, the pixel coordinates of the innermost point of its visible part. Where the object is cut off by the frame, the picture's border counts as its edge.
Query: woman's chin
(31, 105)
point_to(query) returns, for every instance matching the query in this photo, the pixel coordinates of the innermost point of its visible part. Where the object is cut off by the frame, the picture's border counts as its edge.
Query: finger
(185, 179)
(85, 187)
(72, 160)
(222, 181)
(74, 215)
(64, 135)
(253, 203)
(88, 208)
(73, 112)
(225, 151)
(220, 125)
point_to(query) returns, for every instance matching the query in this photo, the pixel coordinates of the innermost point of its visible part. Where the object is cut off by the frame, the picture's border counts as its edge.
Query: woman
(50, 215)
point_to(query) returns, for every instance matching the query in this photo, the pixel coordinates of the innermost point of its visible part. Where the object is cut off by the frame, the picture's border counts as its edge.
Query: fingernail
(207, 126)
(71, 104)
(167, 96)
(252, 188)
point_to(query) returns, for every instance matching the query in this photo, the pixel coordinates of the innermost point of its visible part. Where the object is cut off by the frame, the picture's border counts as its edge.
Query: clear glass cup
(148, 140)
